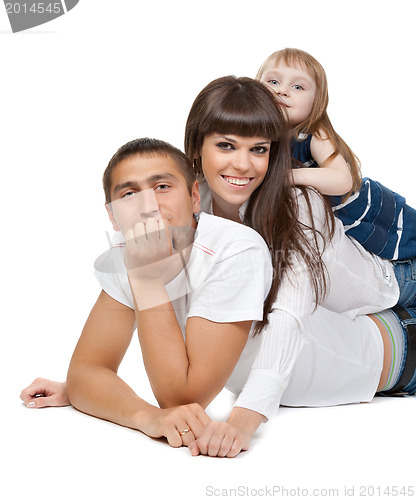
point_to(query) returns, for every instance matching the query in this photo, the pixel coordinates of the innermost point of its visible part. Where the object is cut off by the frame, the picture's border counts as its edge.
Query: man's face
(144, 186)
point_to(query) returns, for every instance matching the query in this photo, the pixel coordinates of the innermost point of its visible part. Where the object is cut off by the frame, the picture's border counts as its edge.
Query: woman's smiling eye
(226, 146)
(260, 149)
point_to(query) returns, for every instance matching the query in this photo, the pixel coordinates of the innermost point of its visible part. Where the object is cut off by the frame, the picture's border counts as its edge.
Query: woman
(306, 246)
(236, 136)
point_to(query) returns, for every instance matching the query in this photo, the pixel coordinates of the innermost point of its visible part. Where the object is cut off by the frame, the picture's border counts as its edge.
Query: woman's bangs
(248, 121)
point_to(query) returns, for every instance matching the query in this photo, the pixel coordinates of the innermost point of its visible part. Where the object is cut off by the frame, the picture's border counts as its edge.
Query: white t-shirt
(226, 280)
(341, 357)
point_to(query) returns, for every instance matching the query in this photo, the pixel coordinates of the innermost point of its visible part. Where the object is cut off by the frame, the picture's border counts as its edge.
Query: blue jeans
(405, 271)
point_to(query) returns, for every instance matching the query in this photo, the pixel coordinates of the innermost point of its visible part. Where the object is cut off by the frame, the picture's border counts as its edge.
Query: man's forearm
(162, 343)
(99, 391)
(184, 372)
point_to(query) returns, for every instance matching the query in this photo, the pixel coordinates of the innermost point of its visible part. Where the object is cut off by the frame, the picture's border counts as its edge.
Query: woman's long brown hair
(245, 107)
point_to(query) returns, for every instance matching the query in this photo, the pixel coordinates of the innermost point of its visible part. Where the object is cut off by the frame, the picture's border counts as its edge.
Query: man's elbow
(72, 386)
(172, 399)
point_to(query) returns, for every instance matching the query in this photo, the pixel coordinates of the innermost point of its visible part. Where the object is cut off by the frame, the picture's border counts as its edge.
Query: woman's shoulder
(311, 205)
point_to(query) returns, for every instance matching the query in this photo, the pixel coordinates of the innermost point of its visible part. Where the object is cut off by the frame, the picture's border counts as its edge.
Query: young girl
(372, 214)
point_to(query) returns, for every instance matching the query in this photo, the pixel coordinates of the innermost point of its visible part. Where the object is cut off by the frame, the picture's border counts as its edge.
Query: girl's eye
(273, 82)
(298, 87)
(226, 146)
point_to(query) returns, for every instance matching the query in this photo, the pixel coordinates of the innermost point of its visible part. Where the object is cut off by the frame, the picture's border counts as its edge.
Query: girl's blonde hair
(318, 122)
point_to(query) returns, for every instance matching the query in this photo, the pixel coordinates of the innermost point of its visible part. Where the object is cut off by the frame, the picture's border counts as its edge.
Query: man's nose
(148, 206)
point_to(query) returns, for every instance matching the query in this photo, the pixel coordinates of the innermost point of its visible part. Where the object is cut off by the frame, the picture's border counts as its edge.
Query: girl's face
(295, 90)
(234, 167)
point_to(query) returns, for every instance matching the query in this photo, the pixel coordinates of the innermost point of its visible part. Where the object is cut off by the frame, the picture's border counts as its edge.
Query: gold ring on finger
(184, 432)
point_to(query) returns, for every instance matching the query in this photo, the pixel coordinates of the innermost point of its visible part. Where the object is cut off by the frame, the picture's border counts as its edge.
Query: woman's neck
(225, 210)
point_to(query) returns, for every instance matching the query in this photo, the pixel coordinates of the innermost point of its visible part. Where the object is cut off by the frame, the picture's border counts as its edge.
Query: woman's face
(234, 166)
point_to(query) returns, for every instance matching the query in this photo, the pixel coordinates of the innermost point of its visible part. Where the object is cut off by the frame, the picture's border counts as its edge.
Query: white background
(75, 89)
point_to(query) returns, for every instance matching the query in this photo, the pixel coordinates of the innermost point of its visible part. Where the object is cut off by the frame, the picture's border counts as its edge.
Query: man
(193, 289)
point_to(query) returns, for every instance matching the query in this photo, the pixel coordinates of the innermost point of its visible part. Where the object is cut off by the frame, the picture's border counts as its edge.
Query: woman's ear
(196, 198)
(111, 217)
(197, 166)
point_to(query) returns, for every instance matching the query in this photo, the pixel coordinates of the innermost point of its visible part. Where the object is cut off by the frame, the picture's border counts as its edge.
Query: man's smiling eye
(162, 187)
(128, 194)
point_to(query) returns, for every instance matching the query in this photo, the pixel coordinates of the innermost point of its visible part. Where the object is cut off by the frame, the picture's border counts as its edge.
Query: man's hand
(42, 393)
(180, 425)
(151, 251)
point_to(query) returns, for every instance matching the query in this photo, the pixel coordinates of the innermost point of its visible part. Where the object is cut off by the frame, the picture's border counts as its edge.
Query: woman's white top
(342, 355)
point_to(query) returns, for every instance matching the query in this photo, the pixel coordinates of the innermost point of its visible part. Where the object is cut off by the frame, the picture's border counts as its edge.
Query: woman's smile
(237, 182)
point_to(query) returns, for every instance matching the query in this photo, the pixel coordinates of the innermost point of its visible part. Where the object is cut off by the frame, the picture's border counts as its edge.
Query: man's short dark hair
(148, 147)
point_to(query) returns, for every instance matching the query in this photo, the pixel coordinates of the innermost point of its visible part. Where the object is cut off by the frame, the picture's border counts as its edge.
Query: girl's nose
(282, 90)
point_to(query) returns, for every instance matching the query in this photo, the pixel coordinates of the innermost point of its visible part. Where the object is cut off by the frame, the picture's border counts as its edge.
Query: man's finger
(193, 448)
(139, 231)
(152, 226)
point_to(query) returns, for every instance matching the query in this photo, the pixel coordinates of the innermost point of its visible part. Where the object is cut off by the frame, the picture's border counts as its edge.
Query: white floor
(62, 453)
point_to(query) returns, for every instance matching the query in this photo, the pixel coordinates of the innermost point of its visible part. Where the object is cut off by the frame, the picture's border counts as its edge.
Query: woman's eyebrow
(235, 142)
(227, 138)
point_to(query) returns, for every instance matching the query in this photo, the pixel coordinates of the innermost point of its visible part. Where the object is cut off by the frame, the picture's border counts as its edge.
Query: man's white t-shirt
(226, 279)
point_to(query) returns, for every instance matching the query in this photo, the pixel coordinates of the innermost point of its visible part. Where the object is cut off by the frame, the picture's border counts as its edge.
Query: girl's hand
(221, 439)
(42, 393)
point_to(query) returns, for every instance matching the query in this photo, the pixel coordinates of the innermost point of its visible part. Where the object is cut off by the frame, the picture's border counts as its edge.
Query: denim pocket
(405, 271)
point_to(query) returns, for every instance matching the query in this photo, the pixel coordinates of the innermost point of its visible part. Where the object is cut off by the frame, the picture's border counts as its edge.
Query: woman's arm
(332, 178)
(283, 338)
